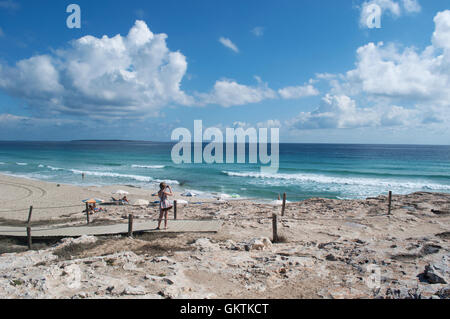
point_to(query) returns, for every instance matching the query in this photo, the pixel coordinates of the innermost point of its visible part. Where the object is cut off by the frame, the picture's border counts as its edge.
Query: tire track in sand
(28, 188)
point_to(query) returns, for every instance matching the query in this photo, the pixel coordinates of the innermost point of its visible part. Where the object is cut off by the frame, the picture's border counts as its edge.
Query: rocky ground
(327, 249)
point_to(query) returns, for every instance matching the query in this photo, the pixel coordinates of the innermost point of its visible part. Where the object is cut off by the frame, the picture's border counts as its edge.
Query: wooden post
(175, 209)
(29, 215)
(29, 240)
(390, 202)
(284, 204)
(29, 237)
(130, 225)
(275, 230)
(87, 213)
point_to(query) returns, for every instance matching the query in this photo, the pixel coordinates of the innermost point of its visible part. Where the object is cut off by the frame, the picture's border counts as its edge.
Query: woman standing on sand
(164, 203)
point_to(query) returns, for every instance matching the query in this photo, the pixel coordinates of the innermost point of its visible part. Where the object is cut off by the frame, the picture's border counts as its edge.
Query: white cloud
(397, 86)
(411, 5)
(229, 44)
(131, 75)
(297, 92)
(341, 112)
(392, 72)
(441, 35)
(335, 112)
(11, 120)
(269, 124)
(258, 31)
(230, 93)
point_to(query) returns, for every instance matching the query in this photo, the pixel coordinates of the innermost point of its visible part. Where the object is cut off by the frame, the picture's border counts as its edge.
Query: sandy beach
(328, 248)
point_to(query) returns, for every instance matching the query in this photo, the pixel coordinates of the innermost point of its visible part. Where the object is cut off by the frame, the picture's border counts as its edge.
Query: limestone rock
(262, 243)
(204, 244)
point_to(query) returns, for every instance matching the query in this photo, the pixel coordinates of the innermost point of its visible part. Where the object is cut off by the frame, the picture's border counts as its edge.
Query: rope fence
(275, 218)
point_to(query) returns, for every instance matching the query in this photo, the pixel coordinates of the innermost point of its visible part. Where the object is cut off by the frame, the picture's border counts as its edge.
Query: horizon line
(172, 142)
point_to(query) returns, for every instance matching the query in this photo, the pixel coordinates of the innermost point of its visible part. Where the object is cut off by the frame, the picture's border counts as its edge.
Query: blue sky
(311, 68)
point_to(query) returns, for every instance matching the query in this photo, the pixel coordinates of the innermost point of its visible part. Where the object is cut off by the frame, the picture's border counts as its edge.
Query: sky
(136, 70)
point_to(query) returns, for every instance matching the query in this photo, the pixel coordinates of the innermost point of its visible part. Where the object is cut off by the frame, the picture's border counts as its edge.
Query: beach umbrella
(93, 201)
(141, 202)
(121, 192)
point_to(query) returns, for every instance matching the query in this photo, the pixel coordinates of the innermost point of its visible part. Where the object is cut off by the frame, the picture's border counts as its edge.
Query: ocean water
(306, 170)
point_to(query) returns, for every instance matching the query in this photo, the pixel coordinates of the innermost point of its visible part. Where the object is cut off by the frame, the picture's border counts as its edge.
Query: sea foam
(323, 179)
(149, 166)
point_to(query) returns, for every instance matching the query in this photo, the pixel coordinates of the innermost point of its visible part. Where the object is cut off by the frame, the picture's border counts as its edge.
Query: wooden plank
(174, 226)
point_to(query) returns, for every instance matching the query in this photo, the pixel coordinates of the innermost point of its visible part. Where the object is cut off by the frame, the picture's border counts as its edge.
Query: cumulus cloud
(269, 124)
(405, 73)
(411, 5)
(120, 76)
(394, 7)
(229, 44)
(297, 92)
(390, 86)
(128, 76)
(230, 93)
(342, 112)
(10, 120)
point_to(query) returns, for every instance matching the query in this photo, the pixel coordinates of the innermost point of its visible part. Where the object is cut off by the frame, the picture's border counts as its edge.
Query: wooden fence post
(274, 228)
(130, 225)
(390, 202)
(284, 204)
(87, 213)
(29, 215)
(175, 209)
(29, 240)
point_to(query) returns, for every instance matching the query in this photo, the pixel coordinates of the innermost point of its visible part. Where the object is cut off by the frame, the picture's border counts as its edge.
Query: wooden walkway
(175, 226)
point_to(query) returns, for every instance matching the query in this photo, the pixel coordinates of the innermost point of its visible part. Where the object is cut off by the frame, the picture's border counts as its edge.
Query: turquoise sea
(306, 170)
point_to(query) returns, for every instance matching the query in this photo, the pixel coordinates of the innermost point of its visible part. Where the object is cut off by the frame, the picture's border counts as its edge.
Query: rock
(167, 281)
(436, 273)
(204, 244)
(444, 293)
(262, 243)
(402, 293)
(76, 241)
(430, 249)
(330, 257)
(134, 291)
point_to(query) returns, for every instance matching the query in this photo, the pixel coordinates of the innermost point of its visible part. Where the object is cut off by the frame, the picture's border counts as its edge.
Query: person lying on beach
(125, 199)
(164, 203)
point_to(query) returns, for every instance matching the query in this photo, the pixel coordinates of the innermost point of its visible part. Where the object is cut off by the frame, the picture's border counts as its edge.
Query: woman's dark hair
(162, 185)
